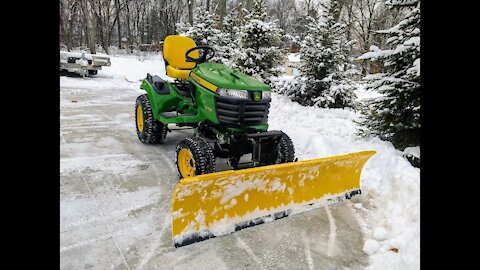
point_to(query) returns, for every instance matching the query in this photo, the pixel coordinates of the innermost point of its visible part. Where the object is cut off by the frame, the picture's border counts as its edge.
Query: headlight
(240, 94)
(266, 94)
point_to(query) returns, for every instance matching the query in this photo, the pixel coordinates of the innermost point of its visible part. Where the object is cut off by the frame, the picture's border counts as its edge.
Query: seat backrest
(174, 49)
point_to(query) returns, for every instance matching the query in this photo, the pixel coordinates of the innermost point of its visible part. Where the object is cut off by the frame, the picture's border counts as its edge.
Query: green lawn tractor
(229, 111)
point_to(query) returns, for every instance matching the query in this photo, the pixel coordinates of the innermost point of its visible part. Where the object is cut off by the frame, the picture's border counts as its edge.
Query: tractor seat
(174, 49)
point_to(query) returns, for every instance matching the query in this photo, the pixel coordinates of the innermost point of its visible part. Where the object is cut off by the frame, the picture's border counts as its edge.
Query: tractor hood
(225, 77)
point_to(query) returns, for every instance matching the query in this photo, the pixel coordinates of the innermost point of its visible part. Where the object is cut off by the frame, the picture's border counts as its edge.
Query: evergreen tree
(260, 55)
(203, 30)
(396, 115)
(229, 38)
(326, 66)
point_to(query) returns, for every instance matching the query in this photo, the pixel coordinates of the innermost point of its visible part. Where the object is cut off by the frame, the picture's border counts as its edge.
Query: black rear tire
(203, 160)
(286, 150)
(151, 131)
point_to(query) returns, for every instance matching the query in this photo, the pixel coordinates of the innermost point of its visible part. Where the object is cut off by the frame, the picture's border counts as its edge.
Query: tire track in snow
(333, 233)
(308, 253)
(157, 243)
(244, 246)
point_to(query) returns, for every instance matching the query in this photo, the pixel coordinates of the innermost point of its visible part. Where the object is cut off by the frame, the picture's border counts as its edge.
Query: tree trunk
(137, 26)
(110, 31)
(142, 26)
(89, 38)
(222, 7)
(69, 37)
(129, 35)
(309, 7)
(190, 11)
(119, 28)
(336, 13)
(93, 38)
(81, 37)
(208, 5)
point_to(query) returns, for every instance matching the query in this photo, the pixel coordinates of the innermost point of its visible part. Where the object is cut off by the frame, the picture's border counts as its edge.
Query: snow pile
(371, 246)
(380, 234)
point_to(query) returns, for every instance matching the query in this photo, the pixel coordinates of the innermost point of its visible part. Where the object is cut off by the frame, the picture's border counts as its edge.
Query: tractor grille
(235, 111)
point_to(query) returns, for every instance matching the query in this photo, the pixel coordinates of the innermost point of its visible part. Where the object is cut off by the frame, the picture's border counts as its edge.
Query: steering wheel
(206, 53)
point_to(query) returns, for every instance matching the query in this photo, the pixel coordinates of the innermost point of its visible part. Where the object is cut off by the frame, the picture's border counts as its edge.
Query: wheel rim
(140, 118)
(185, 163)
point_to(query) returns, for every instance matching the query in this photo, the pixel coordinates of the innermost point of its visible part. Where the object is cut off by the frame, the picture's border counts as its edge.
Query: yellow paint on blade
(200, 202)
(203, 82)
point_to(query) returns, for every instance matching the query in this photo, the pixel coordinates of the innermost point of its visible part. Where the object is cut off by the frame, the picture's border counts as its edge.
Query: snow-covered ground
(109, 172)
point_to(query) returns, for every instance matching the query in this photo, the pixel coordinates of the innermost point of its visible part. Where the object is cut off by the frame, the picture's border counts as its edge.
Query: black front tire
(92, 72)
(286, 150)
(203, 158)
(152, 131)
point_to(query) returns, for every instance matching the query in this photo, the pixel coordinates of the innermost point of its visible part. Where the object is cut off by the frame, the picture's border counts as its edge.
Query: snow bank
(371, 246)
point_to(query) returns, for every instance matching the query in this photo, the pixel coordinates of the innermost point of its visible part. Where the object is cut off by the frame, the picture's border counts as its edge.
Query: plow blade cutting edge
(216, 204)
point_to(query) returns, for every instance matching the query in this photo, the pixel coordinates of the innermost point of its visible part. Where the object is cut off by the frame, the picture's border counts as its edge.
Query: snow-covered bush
(325, 70)
(288, 87)
(396, 115)
(260, 55)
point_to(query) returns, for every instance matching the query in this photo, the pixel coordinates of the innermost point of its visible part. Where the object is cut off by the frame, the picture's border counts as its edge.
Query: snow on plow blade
(216, 204)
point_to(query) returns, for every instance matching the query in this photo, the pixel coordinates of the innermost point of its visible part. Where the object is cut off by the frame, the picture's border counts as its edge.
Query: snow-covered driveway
(116, 191)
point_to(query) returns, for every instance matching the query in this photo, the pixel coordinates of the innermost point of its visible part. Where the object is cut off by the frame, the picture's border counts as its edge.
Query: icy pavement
(116, 191)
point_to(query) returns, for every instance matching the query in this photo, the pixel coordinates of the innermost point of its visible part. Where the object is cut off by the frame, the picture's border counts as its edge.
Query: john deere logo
(257, 96)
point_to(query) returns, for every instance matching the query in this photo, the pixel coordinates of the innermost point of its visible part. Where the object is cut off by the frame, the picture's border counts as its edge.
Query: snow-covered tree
(228, 39)
(326, 66)
(396, 115)
(203, 30)
(260, 55)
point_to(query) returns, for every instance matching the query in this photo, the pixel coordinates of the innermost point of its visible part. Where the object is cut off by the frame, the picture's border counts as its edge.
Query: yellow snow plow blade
(216, 204)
